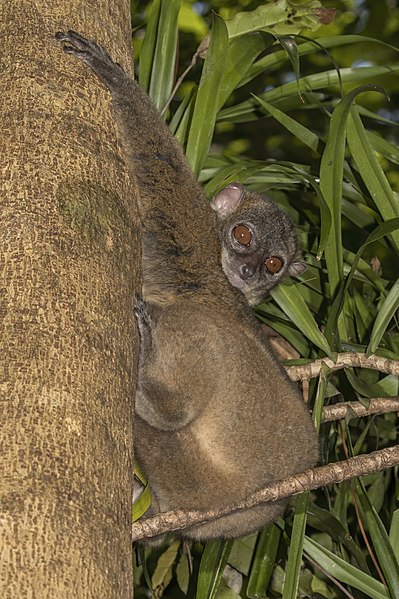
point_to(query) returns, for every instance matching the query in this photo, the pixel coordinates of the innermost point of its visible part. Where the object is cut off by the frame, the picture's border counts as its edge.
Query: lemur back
(217, 416)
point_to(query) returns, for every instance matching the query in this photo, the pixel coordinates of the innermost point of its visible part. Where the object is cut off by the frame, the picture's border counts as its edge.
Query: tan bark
(67, 279)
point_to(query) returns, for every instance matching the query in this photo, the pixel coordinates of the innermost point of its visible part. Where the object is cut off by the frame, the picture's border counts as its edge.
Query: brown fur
(217, 417)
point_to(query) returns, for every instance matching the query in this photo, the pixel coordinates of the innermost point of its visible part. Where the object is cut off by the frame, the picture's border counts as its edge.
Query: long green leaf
(263, 563)
(294, 562)
(384, 316)
(344, 571)
(182, 114)
(273, 15)
(142, 557)
(371, 171)
(233, 172)
(163, 570)
(213, 562)
(143, 502)
(331, 176)
(164, 59)
(326, 521)
(245, 111)
(205, 110)
(394, 533)
(380, 231)
(386, 556)
(292, 303)
(181, 132)
(300, 131)
(294, 337)
(335, 41)
(147, 50)
(383, 147)
(241, 54)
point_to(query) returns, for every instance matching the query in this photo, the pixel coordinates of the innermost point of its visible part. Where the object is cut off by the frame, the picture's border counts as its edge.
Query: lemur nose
(247, 271)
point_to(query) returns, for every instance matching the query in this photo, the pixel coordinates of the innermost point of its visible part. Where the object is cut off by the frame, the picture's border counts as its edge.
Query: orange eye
(274, 264)
(242, 235)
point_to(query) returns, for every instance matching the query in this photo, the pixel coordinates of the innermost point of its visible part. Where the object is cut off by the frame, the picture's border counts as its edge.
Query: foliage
(275, 112)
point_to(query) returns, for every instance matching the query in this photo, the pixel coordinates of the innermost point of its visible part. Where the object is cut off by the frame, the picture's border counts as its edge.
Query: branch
(378, 405)
(344, 360)
(305, 481)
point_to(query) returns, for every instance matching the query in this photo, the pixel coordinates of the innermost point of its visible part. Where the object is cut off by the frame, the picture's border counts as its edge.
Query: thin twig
(355, 409)
(310, 479)
(344, 360)
(199, 53)
(178, 83)
(328, 575)
(305, 481)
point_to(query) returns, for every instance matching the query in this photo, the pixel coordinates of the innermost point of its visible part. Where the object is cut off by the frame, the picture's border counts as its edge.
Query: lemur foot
(94, 55)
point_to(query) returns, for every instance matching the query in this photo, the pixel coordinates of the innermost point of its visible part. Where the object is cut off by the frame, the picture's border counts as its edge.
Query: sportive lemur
(216, 416)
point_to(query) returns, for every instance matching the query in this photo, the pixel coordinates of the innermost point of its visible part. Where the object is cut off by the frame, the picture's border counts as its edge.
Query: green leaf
(291, 47)
(285, 329)
(383, 147)
(213, 562)
(141, 554)
(335, 41)
(205, 110)
(380, 231)
(384, 316)
(241, 54)
(142, 503)
(344, 571)
(263, 563)
(326, 521)
(371, 171)
(364, 271)
(245, 111)
(181, 111)
(242, 552)
(164, 57)
(303, 133)
(180, 123)
(149, 44)
(386, 556)
(281, 17)
(294, 562)
(225, 592)
(183, 572)
(163, 570)
(321, 394)
(292, 303)
(331, 176)
(229, 174)
(394, 533)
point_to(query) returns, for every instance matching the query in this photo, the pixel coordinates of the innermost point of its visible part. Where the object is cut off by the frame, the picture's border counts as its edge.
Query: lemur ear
(228, 200)
(297, 268)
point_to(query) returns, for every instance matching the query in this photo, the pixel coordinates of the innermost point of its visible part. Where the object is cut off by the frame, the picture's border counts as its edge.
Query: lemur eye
(274, 264)
(242, 234)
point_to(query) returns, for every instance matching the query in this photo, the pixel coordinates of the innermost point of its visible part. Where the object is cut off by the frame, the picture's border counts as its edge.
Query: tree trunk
(68, 273)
